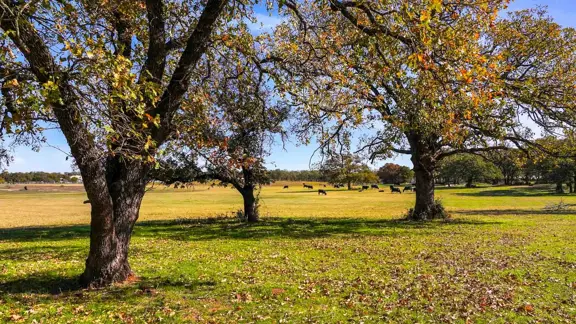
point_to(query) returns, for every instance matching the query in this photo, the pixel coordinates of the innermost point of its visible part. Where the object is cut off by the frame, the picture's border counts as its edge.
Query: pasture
(502, 258)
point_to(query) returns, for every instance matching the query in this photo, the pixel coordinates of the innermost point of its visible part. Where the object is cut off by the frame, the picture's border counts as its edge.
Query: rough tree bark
(250, 204)
(111, 224)
(424, 164)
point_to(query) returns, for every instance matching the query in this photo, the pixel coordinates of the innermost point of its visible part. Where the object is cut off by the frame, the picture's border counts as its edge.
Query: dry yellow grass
(45, 205)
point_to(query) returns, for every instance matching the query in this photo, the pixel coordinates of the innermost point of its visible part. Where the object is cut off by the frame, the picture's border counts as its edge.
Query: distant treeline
(44, 177)
(296, 175)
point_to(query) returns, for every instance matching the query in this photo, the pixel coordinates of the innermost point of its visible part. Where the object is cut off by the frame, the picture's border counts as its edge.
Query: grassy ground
(346, 256)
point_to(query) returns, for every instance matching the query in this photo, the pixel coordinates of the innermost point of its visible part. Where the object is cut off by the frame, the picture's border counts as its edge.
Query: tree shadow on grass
(231, 228)
(46, 283)
(286, 228)
(44, 233)
(43, 252)
(521, 212)
(41, 283)
(536, 191)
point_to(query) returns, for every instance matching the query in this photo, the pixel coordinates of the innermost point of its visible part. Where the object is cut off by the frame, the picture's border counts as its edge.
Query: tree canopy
(243, 120)
(394, 173)
(468, 168)
(347, 169)
(430, 78)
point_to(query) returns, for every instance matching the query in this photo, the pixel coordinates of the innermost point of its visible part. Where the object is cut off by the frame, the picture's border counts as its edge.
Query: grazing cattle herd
(393, 188)
(322, 192)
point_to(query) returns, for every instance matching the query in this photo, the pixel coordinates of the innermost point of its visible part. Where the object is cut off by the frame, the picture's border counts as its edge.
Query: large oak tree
(112, 75)
(428, 78)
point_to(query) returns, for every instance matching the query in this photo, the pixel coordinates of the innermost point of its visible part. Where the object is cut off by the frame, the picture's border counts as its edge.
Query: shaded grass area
(500, 260)
(520, 191)
(230, 228)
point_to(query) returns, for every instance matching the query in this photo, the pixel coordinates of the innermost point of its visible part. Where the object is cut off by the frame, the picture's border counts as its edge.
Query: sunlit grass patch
(343, 257)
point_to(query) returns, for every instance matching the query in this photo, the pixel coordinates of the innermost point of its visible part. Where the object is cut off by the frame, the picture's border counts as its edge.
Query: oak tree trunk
(559, 187)
(425, 201)
(424, 166)
(113, 217)
(250, 205)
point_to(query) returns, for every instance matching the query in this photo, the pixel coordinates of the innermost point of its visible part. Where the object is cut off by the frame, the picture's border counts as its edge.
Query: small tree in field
(426, 78)
(348, 169)
(112, 75)
(394, 173)
(509, 162)
(244, 121)
(469, 168)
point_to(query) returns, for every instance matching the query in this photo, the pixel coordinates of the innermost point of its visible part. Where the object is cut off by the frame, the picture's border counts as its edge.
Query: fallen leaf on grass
(526, 308)
(277, 291)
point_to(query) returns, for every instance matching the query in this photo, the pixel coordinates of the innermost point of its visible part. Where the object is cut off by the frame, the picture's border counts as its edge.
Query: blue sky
(294, 156)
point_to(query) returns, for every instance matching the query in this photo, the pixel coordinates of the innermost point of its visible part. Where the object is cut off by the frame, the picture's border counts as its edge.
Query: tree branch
(195, 47)
(22, 32)
(471, 151)
(156, 56)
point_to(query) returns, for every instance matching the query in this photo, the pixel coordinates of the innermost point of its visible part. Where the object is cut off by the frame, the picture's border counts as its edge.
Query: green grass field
(501, 258)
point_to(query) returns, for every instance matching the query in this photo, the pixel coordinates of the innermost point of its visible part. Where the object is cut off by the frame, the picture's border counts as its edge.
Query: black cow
(322, 192)
(409, 188)
(336, 186)
(25, 187)
(324, 186)
(394, 189)
(365, 187)
(375, 187)
(285, 187)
